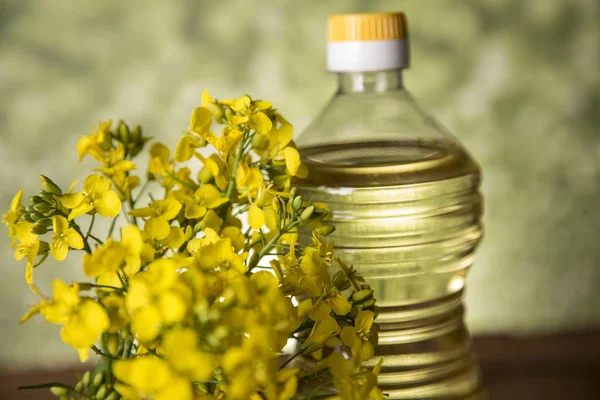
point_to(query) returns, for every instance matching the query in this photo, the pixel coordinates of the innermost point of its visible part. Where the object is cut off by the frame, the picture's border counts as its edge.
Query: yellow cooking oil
(407, 216)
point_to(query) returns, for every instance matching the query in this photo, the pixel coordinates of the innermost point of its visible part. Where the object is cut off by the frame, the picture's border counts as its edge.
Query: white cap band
(367, 55)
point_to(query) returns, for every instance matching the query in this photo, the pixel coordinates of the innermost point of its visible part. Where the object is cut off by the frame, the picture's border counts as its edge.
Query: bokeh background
(517, 81)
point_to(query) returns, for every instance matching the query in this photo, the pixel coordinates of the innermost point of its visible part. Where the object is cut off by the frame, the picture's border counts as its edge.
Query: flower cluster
(198, 291)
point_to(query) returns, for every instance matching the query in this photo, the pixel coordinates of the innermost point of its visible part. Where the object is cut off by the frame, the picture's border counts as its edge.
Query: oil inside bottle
(407, 216)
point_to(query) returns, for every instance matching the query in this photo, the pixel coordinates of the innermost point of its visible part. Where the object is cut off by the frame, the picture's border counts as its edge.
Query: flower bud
(79, 387)
(362, 295)
(293, 192)
(33, 200)
(27, 218)
(112, 396)
(123, 131)
(101, 393)
(307, 213)
(44, 248)
(59, 390)
(277, 207)
(112, 343)
(86, 378)
(205, 175)
(368, 303)
(39, 229)
(98, 378)
(325, 229)
(136, 134)
(45, 222)
(50, 186)
(42, 208)
(297, 203)
(36, 216)
(47, 197)
(340, 281)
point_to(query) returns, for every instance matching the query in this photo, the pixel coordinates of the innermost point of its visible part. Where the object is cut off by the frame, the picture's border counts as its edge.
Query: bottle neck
(370, 82)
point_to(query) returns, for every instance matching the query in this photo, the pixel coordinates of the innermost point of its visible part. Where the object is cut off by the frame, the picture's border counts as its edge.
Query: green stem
(104, 286)
(267, 248)
(142, 190)
(236, 162)
(108, 359)
(290, 359)
(86, 245)
(99, 352)
(89, 232)
(45, 386)
(100, 242)
(112, 227)
(56, 384)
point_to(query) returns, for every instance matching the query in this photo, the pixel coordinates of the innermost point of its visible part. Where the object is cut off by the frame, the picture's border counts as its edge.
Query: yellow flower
(180, 348)
(96, 196)
(248, 179)
(360, 338)
(149, 377)
(220, 254)
(175, 238)
(159, 163)
(115, 163)
(83, 319)
(28, 247)
(114, 304)
(160, 212)
(331, 299)
(113, 261)
(234, 233)
(209, 103)
(96, 143)
(250, 112)
(63, 238)
(321, 332)
(217, 168)
(230, 137)
(206, 197)
(155, 298)
(200, 122)
(12, 215)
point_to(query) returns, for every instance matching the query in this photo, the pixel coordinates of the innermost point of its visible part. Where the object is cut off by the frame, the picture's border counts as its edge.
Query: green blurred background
(517, 81)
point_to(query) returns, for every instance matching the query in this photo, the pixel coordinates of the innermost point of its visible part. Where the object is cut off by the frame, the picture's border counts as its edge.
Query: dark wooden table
(565, 366)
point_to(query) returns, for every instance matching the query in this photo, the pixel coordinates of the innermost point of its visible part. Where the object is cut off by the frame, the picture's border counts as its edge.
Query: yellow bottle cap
(367, 42)
(371, 26)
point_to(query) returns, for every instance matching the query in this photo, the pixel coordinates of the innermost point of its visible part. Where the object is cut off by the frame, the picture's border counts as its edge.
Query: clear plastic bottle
(404, 198)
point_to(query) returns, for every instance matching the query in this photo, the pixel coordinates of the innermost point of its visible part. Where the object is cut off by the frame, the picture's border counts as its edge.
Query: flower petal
(59, 224)
(73, 239)
(349, 337)
(200, 120)
(364, 320)
(260, 123)
(59, 249)
(320, 310)
(256, 217)
(292, 160)
(157, 228)
(83, 208)
(107, 204)
(96, 184)
(71, 200)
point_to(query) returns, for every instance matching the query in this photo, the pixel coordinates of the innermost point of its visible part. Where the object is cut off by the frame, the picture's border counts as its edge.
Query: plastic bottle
(404, 198)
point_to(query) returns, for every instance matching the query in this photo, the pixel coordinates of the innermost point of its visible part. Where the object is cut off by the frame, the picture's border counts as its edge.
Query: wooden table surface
(565, 366)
